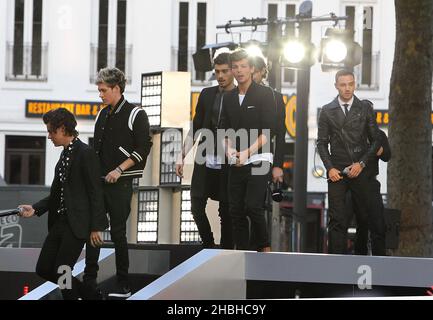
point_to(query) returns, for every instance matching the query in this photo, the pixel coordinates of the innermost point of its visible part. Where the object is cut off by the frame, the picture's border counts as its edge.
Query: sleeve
(268, 113)
(141, 136)
(197, 122)
(41, 206)
(91, 175)
(372, 133)
(386, 154)
(323, 140)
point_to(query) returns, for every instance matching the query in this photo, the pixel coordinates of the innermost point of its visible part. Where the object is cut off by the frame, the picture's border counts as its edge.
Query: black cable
(314, 163)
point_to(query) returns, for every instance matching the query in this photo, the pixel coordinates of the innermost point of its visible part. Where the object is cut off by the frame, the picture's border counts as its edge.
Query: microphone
(343, 173)
(10, 212)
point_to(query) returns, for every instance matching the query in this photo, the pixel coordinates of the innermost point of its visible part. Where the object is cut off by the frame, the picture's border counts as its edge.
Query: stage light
(339, 51)
(294, 51)
(297, 54)
(254, 51)
(335, 51)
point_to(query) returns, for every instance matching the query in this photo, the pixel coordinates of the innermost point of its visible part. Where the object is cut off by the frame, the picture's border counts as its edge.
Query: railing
(26, 62)
(113, 57)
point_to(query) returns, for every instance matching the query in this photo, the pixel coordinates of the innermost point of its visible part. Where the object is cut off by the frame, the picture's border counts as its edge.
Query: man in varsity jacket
(122, 142)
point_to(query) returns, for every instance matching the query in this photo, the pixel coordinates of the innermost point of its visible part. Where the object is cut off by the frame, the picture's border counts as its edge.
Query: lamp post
(301, 144)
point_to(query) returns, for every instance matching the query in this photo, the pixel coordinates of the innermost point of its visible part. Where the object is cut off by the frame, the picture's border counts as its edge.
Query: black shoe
(122, 291)
(90, 291)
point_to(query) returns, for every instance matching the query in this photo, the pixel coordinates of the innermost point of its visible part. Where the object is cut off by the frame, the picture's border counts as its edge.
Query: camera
(277, 190)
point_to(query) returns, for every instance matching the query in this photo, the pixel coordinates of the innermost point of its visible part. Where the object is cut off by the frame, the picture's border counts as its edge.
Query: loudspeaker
(203, 60)
(392, 222)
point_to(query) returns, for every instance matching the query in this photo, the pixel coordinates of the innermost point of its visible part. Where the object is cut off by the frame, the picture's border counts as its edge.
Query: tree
(410, 126)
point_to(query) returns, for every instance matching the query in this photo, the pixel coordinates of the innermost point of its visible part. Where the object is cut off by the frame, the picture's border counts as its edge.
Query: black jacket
(203, 120)
(122, 135)
(83, 194)
(256, 112)
(347, 136)
(373, 163)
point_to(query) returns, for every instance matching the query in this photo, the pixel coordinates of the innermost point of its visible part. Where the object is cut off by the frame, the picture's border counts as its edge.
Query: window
(110, 48)
(26, 53)
(171, 147)
(201, 33)
(191, 29)
(182, 55)
(25, 160)
(188, 228)
(151, 99)
(361, 18)
(147, 230)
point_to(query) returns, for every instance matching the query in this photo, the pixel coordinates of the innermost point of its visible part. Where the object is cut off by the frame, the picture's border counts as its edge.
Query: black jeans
(60, 248)
(338, 218)
(375, 223)
(117, 197)
(198, 210)
(247, 193)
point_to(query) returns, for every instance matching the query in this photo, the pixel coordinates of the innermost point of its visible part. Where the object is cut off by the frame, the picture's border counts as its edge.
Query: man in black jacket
(346, 125)
(75, 204)
(249, 120)
(376, 220)
(209, 178)
(122, 142)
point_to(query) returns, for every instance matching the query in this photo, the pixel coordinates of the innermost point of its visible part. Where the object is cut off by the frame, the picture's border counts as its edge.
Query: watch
(362, 163)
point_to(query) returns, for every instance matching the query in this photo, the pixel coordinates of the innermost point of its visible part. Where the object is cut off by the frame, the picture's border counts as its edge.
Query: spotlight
(338, 50)
(297, 54)
(294, 51)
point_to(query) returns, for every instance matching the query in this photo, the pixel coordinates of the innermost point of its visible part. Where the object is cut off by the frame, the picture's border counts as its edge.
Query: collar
(350, 102)
(118, 106)
(71, 145)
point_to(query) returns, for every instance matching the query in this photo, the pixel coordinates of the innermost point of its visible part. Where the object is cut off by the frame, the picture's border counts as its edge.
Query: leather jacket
(352, 139)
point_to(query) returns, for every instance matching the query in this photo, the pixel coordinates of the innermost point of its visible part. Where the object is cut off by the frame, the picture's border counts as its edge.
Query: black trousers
(338, 218)
(198, 210)
(60, 248)
(117, 198)
(247, 193)
(375, 223)
(213, 190)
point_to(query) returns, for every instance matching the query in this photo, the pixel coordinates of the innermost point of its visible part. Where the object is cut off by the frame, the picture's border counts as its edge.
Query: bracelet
(119, 169)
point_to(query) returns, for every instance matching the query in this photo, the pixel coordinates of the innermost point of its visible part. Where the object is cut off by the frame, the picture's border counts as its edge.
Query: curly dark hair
(57, 118)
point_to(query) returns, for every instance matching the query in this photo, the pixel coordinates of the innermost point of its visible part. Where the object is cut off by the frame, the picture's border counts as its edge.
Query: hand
(112, 176)
(334, 175)
(379, 152)
(231, 152)
(354, 170)
(179, 167)
(27, 211)
(277, 174)
(243, 157)
(96, 239)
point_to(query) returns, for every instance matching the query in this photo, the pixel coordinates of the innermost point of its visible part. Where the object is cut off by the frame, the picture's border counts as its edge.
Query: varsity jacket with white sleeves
(122, 132)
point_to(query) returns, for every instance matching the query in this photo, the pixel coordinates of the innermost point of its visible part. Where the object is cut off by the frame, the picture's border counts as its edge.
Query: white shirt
(341, 102)
(241, 98)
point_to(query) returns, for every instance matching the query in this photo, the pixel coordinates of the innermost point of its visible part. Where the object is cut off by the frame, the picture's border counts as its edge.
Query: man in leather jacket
(346, 125)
